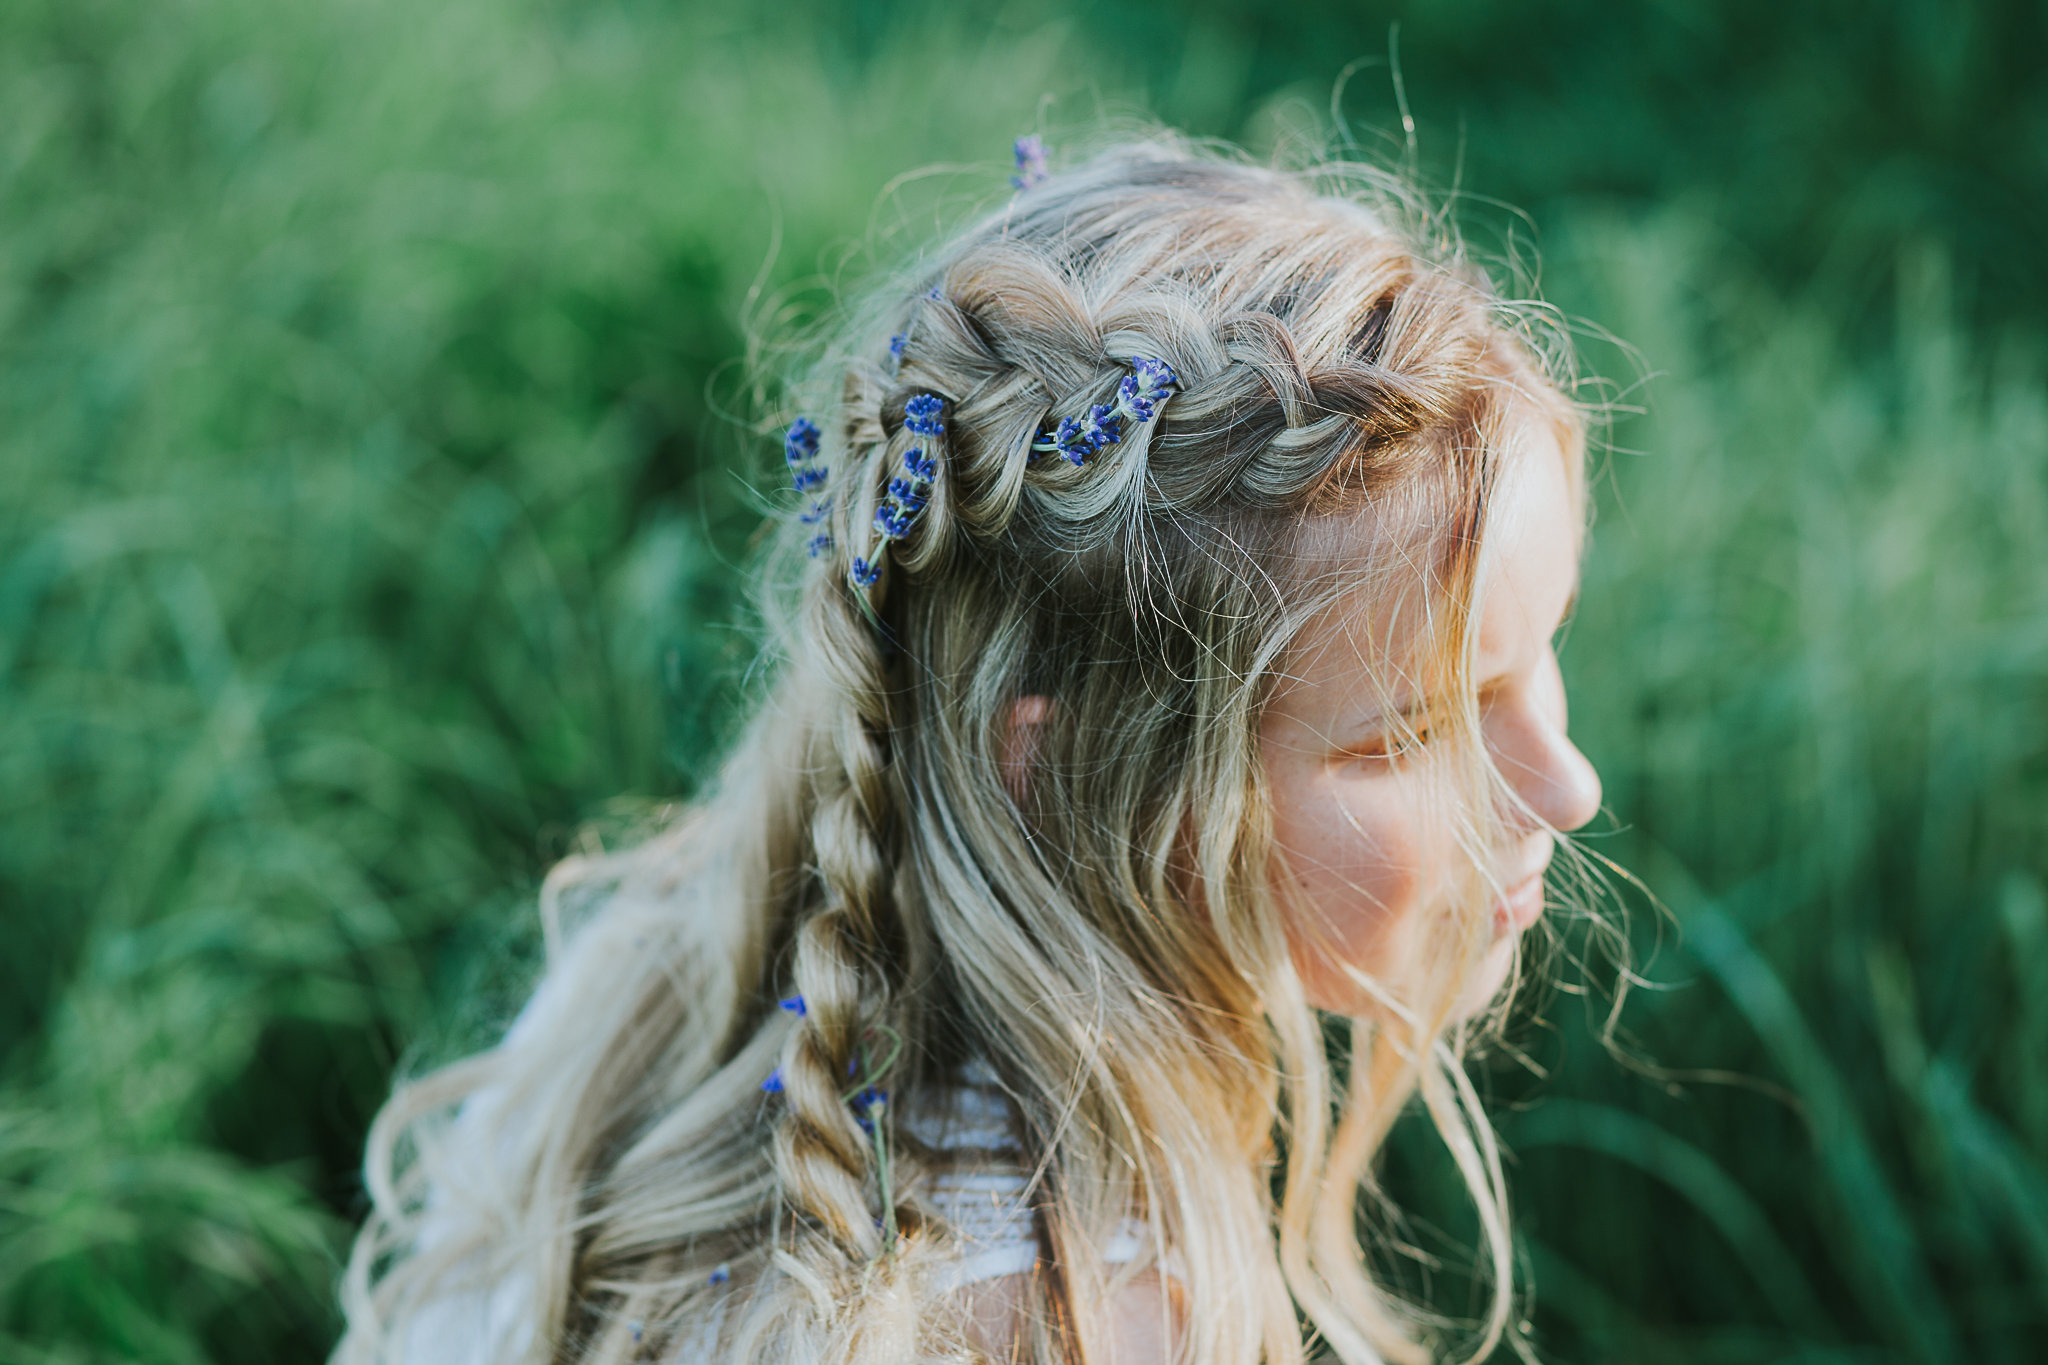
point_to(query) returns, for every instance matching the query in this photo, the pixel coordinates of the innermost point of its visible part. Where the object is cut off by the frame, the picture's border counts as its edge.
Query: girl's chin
(1491, 976)
(1330, 988)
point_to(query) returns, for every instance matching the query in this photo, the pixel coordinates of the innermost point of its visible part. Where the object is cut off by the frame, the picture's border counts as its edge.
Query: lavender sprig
(1030, 154)
(896, 515)
(800, 452)
(800, 442)
(921, 414)
(868, 1106)
(898, 512)
(1150, 383)
(821, 543)
(869, 1103)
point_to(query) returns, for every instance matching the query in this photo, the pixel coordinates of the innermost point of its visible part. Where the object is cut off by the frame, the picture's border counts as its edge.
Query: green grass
(378, 482)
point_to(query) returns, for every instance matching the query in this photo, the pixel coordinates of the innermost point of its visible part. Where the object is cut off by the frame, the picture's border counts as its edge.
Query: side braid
(841, 953)
(1291, 426)
(821, 1152)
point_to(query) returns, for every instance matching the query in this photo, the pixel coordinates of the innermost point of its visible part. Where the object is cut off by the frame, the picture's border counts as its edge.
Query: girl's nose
(1565, 789)
(1537, 757)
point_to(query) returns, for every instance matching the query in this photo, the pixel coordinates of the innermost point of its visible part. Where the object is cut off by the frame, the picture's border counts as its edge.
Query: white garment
(979, 1192)
(981, 1195)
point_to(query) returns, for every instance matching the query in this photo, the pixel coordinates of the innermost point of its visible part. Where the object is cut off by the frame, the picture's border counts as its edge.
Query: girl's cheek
(1355, 874)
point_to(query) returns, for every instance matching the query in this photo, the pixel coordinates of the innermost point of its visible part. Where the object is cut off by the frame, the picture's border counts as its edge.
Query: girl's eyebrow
(1571, 604)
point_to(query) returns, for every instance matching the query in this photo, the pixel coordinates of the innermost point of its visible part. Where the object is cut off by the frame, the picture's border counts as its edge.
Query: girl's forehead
(1529, 575)
(1376, 636)
(1389, 622)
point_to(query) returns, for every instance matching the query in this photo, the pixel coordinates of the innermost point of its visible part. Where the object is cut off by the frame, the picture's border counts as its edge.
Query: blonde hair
(1103, 934)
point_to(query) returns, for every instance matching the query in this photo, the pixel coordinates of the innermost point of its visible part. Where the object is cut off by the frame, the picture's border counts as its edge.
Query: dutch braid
(1018, 341)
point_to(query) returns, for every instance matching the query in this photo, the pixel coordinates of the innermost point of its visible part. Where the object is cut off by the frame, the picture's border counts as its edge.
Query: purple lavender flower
(800, 443)
(921, 414)
(894, 522)
(1030, 154)
(868, 1106)
(1131, 399)
(795, 1005)
(896, 346)
(800, 452)
(818, 512)
(897, 514)
(1155, 377)
(1138, 396)
(817, 545)
(1071, 440)
(773, 1085)
(1147, 386)
(721, 1275)
(1103, 426)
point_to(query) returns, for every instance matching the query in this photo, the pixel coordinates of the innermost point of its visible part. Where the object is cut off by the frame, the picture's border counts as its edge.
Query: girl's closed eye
(1394, 744)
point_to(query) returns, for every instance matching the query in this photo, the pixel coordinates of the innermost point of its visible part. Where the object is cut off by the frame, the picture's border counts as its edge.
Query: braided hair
(1100, 934)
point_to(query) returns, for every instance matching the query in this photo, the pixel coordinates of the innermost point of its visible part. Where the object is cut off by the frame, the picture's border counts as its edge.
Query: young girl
(1169, 678)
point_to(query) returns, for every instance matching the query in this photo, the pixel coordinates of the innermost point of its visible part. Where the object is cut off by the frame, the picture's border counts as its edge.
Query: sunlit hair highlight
(1102, 932)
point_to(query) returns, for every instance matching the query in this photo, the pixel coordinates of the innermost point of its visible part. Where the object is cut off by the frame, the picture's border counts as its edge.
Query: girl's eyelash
(1394, 746)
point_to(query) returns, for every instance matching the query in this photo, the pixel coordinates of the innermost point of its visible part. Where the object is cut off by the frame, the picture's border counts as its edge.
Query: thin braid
(821, 1154)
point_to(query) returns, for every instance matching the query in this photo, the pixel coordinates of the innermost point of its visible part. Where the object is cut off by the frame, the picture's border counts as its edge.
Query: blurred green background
(378, 471)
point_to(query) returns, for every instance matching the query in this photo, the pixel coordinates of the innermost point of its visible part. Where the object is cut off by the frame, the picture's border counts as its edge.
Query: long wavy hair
(611, 1182)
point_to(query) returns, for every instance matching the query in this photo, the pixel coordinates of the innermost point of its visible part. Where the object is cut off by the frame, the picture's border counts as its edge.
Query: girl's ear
(1020, 744)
